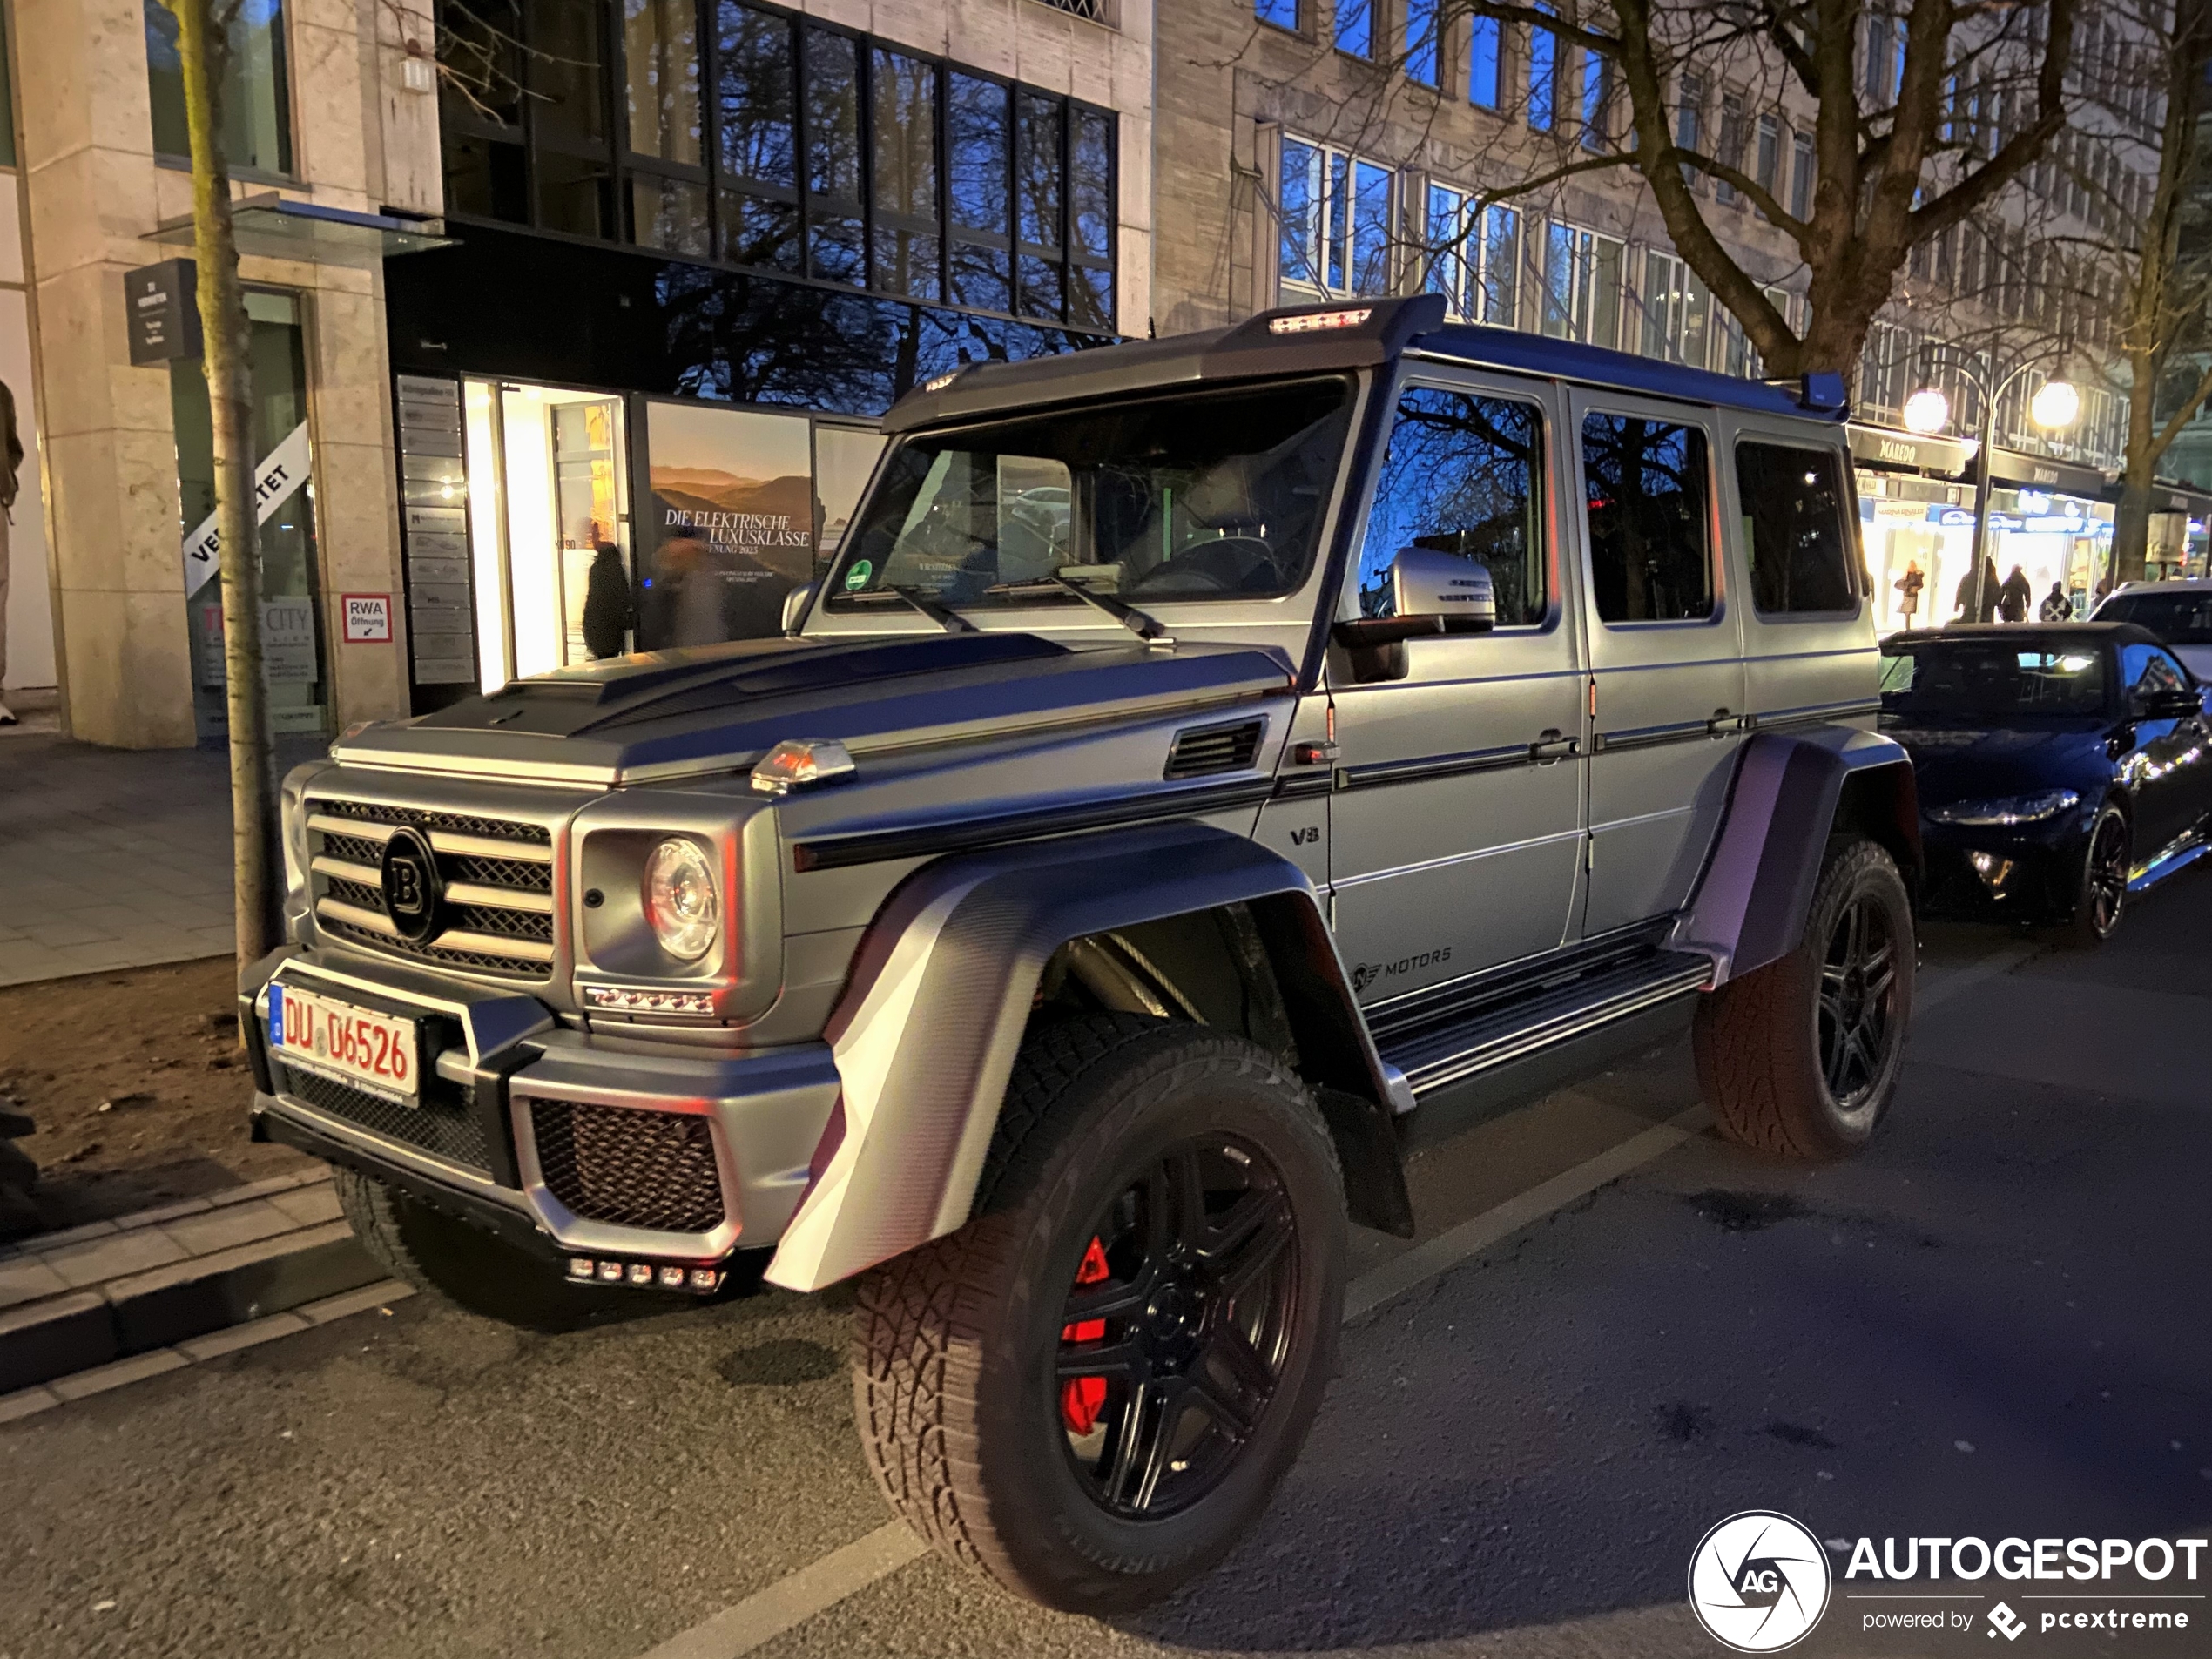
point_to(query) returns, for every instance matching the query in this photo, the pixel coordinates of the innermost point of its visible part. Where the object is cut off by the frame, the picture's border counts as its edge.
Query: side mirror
(1430, 593)
(795, 604)
(2169, 705)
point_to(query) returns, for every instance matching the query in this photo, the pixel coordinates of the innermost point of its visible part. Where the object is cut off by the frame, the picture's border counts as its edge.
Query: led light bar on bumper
(645, 1276)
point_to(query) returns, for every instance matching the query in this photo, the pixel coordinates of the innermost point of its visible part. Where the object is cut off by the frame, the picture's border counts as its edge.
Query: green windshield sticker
(857, 577)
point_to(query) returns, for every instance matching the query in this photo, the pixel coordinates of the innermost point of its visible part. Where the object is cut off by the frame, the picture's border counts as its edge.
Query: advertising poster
(731, 523)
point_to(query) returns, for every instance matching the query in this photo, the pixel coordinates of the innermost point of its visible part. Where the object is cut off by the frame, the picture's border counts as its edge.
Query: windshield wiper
(950, 620)
(1148, 629)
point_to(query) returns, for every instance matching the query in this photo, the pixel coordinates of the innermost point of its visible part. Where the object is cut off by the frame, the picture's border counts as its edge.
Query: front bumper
(2028, 873)
(521, 1126)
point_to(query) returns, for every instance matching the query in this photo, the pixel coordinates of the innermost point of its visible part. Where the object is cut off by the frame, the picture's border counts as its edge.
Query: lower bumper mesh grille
(629, 1167)
(451, 1132)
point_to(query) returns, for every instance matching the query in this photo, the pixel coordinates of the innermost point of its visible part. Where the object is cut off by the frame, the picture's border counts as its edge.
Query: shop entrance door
(549, 497)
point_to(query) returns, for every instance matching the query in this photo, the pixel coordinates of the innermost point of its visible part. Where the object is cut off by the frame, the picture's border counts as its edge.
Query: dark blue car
(2061, 768)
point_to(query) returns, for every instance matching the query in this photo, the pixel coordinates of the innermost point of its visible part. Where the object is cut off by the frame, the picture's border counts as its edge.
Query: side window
(1647, 487)
(1793, 528)
(2146, 671)
(1464, 475)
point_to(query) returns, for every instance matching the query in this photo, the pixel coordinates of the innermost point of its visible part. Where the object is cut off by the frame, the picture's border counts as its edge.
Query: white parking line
(791, 1602)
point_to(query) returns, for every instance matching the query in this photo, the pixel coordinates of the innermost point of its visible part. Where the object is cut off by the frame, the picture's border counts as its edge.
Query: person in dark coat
(1965, 601)
(2056, 606)
(2014, 597)
(609, 613)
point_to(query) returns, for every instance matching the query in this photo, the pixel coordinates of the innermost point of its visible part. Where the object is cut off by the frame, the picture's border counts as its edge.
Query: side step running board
(1449, 1052)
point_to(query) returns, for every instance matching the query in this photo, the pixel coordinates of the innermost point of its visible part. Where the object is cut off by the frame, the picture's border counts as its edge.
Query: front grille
(629, 1167)
(485, 932)
(449, 1131)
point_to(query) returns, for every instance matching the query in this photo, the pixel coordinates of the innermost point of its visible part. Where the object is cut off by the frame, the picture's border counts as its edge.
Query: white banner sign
(282, 472)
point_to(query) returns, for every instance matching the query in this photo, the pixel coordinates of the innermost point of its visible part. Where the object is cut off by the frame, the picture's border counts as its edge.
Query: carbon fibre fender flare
(1789, 794)
(942, 988)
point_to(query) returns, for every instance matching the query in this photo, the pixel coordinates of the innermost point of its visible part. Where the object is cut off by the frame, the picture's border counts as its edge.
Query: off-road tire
(953, 1343)
(1757, 1039)
(2084, 930)
(461, 1263)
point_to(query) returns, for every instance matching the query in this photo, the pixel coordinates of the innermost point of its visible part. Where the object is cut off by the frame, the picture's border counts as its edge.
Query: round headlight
(680, 900)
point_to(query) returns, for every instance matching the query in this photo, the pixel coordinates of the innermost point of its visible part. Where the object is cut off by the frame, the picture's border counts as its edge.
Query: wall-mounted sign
(368, 618)
(281, 472)
(162, 303)
(731, 525)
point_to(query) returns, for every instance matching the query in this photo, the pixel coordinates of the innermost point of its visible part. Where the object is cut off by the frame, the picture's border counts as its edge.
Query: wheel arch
(1790, 794)
(954, 966)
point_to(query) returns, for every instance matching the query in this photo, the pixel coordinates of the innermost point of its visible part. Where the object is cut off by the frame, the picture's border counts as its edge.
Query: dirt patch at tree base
(138, 1087)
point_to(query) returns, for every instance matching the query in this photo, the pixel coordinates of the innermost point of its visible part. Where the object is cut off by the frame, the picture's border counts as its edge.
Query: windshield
(1993, 677)
(1204, 495)
(2177, 618)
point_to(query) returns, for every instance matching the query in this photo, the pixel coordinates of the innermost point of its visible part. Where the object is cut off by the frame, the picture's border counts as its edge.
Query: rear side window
(1464, 475)
(1647, 485)
(1793, 528)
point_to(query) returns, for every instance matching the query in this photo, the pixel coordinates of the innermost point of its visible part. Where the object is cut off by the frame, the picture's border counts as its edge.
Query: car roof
(2080, 632)
(1293, 341)
(2170, 584)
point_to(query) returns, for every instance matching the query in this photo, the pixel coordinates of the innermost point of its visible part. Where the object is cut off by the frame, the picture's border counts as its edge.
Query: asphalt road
(1993, 1323)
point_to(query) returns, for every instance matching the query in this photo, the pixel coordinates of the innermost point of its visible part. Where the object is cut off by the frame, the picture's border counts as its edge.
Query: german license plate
(380, 1051)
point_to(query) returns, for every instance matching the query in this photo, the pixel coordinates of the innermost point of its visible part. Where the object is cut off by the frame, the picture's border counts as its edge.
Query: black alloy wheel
(1857, 1004)
(2104, 878)
(1174, 1332)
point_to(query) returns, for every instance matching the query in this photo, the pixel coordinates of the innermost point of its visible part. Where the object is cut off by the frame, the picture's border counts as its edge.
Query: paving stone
(186, 1299)
(24, 1402)
(249, 1334)
(238, 1224)
(99, 1379)
(307, 1205)
(372, 1295)
(100, 1259)
(26, 1279)
(68, 1235)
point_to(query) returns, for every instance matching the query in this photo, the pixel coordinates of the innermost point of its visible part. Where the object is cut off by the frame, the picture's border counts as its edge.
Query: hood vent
(1201, 750)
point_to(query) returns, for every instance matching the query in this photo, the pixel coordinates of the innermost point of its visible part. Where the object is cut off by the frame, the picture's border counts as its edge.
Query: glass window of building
(1463, 474)
(758, 149)
(1804, 173)
(1543, 75)
(1792, 502)
(1355, 27)
(1582, 290)
(1471, 256)
(836, 246)
(1336, 212)
(1730, 147)
(1646, 492)
(905, 111)
(1690, 123)
(1040, 202)
(571, 161)
(668, 178)
(1676, 311)
(255, 101)
(1766, 162)
(1597, 98)
(1422, 41)
(1484, 53)
(979, 162)
(1282, 13)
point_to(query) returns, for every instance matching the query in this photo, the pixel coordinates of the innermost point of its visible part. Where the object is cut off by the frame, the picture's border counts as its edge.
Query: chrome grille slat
(497, 875)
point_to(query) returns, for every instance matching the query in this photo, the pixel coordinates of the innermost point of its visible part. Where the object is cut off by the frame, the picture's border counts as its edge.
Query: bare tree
(1921, 113)
(203, 33)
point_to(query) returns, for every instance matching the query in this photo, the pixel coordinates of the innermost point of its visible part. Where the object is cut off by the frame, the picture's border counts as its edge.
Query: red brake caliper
(1083, 1397)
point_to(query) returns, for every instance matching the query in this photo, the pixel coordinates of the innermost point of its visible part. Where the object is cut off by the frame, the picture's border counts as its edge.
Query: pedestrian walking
(2014, 597)
(11, 466)
(1977, 604)
(1908, 589)
(2056, 606)
(608, 612)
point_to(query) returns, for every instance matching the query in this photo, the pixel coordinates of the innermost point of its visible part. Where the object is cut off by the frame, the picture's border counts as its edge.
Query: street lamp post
(1934, 410)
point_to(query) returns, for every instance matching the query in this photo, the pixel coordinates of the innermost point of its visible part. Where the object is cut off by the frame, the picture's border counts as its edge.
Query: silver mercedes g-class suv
(1202, 753)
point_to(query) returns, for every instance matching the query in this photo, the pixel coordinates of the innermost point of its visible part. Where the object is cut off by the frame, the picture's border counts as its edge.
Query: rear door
(2171, 762)
(1665, 650)
(1809, 650)
(1455, 822)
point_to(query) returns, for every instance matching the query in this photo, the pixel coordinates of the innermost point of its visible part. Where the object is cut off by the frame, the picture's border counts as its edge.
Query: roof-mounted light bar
(1317, 322)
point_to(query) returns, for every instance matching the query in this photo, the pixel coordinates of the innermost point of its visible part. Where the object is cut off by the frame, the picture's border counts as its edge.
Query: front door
(1455, 824)
(1665, 650)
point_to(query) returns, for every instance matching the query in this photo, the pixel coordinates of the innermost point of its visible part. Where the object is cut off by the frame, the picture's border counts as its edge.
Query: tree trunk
(222, 313)
(2131, 529)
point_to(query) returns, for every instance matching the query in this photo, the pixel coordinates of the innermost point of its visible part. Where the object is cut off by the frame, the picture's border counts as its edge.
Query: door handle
(1552, 745)
(1722, 724)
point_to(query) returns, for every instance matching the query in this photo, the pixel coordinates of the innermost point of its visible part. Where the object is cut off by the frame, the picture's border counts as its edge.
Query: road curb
(94, 1297)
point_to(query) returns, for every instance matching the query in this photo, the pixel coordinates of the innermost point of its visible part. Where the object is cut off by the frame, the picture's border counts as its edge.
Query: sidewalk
(109, 858)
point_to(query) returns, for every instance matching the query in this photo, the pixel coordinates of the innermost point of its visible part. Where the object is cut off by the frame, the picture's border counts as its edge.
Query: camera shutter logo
(1758, 1582)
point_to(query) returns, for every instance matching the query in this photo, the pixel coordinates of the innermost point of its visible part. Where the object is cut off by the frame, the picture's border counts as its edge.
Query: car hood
(1961, 760)
(708, 710)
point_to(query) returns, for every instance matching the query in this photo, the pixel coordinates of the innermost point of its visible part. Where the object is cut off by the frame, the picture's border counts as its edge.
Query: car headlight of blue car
(2006, 809)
